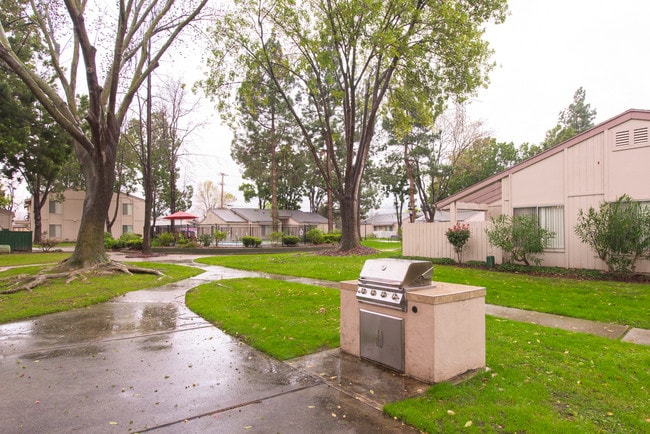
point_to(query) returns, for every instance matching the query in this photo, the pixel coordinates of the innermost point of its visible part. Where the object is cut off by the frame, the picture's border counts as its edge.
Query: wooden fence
(429, 240)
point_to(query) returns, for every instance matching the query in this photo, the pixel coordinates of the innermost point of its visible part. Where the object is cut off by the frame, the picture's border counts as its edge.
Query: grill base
(382, 339)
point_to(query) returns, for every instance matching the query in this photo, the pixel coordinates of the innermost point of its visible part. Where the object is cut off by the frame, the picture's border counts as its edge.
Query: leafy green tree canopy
(344, 56)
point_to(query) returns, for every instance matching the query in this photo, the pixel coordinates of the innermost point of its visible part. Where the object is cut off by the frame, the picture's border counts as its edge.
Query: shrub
(251, 241)
(519, 236)
(290, 240)
(48, 244)
(109, 241)
(135, 244)
(130, 240)
(189, 244)
(458, 236)
(315, 236)
(442, 261)
(182, 240)
(164, 239)
(476, 264)
(275, 237)
(206, 239)
(332, 238)
(619, 233)
(219, 236)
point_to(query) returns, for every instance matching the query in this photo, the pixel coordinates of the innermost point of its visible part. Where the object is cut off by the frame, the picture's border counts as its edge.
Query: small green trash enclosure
(19, 241)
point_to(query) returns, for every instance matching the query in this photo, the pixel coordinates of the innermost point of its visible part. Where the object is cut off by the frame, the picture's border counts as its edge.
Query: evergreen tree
(573, 120)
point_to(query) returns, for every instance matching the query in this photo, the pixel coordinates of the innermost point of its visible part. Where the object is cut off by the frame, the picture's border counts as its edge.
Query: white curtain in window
(552, 218)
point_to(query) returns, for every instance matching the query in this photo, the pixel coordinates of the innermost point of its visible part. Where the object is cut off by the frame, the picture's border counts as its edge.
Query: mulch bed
(359, 251)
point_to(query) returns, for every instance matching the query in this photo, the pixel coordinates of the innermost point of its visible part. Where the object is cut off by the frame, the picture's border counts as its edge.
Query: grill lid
(400, 274)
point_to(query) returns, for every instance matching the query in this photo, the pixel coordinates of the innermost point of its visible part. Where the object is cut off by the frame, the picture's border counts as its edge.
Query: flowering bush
(458, 236)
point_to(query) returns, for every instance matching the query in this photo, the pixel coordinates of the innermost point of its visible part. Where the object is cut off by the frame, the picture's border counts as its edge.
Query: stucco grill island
(397, 316)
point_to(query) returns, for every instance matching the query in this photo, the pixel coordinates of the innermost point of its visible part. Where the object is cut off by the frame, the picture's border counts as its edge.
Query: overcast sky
(547, 49)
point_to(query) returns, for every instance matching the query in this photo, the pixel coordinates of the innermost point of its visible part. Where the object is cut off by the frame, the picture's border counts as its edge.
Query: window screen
(550, 218)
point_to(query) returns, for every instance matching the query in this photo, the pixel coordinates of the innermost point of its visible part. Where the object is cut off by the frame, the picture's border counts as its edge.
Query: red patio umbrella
(180, 215)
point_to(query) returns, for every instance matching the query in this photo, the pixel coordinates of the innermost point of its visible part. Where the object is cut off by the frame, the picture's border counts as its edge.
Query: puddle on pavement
(145, 312)
(80, 351)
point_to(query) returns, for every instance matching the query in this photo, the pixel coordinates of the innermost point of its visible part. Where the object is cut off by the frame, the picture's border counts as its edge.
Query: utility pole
(222, 185)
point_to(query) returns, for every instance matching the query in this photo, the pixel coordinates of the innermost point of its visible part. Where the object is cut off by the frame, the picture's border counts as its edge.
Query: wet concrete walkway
(145, 362)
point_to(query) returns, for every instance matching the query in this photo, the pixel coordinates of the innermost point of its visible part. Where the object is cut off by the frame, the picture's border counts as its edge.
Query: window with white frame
(127, 229)
(127, 209)
(56, 207)
(550, 218)
(55, 231)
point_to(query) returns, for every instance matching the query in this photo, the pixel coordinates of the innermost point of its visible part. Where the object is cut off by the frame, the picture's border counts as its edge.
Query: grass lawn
(17, 259)
(284, 320)
(334, 268)
(597, 300)
(381, 244)
(57, 296)
(539, 380)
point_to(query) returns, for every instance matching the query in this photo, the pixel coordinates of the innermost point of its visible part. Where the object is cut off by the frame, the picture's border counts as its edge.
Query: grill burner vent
(386, 281)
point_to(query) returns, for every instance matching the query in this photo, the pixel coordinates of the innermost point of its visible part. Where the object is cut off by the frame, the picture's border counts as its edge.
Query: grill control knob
(395, 297)
(363, 290)
(383, 294)
(373, 292)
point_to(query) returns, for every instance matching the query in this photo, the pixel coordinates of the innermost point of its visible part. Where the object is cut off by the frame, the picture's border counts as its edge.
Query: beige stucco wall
(5, 219)
(70, 217)
(444, 329)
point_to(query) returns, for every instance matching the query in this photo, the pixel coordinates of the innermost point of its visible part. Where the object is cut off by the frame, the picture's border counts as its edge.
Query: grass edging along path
(596, 300)
(56, 296)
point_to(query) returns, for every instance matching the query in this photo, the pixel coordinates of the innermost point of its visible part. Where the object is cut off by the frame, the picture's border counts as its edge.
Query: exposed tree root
(25, 282)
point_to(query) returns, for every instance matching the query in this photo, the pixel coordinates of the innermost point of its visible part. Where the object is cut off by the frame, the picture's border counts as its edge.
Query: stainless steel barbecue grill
(385, 282)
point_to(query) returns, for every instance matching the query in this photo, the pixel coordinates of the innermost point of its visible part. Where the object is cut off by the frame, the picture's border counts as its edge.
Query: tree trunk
(148, 203)
(274, 176)
(110, 221)
(147, 180)
(38, 225)
(350, 232)
(99, 173)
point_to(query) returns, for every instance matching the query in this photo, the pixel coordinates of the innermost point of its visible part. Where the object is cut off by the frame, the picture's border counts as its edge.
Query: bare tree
(208, 195)
(432, 161)
(114, 68)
